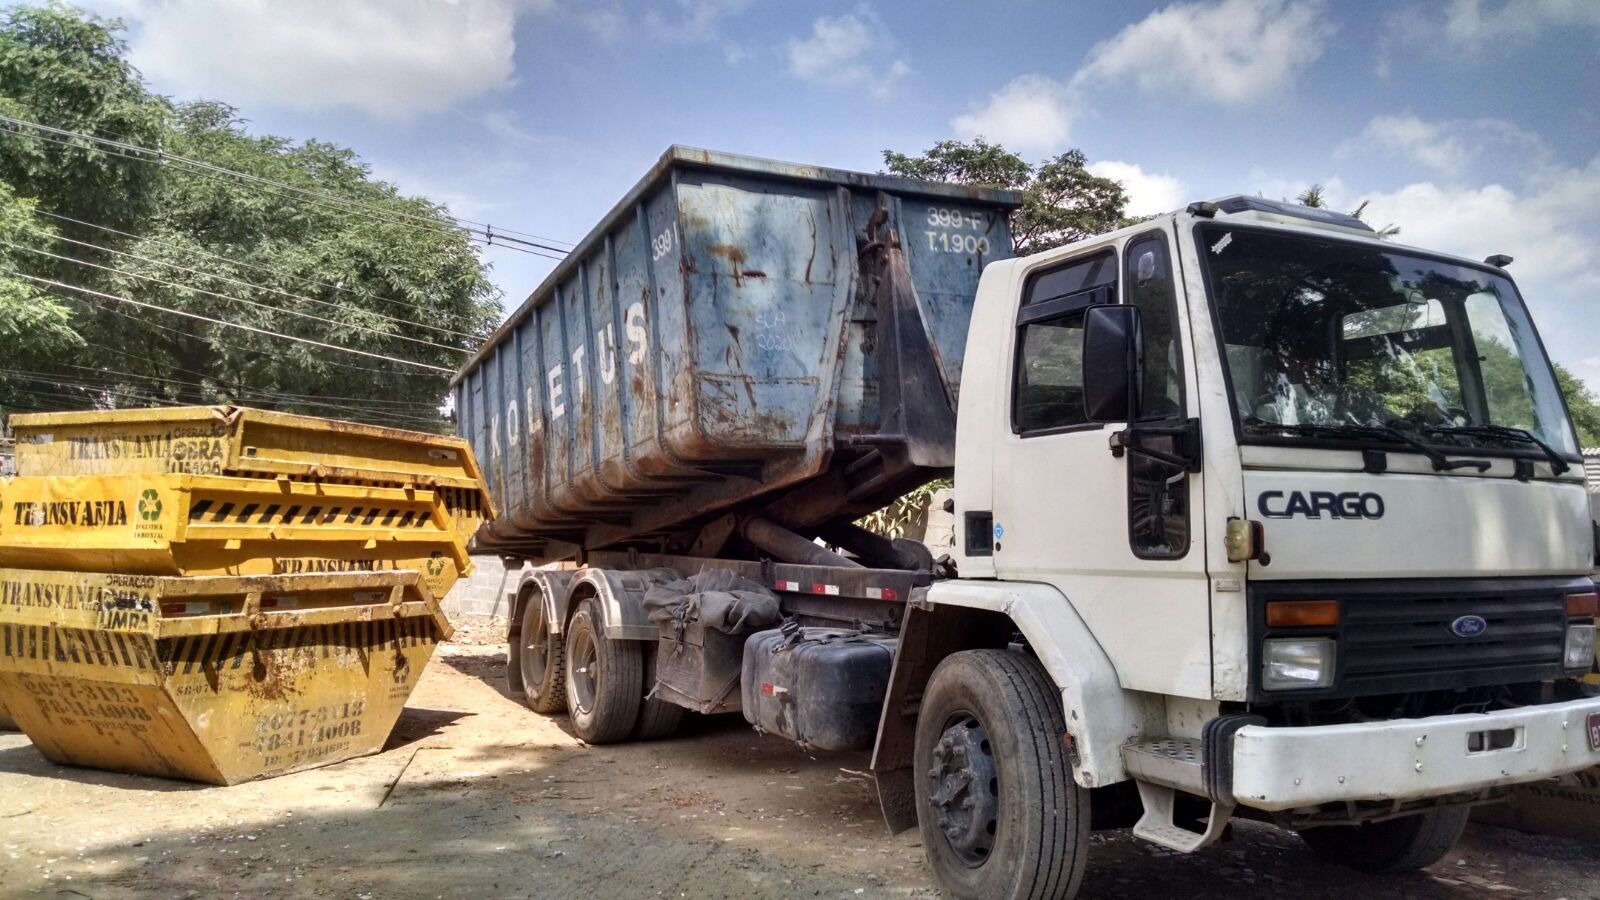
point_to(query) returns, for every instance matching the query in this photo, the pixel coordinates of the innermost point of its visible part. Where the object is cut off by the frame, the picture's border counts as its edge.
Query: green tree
(1314, 198)
(349, 263)
(1061, 200)
(1582, 404)
(33, 325)
(68, 69)
(324, 252)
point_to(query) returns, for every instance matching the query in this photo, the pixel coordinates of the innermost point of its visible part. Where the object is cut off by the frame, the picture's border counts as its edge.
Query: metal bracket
(1158, 825)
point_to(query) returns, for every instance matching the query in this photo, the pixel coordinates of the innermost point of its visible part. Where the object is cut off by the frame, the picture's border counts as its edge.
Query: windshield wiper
(1558, 464)
(1441, 462)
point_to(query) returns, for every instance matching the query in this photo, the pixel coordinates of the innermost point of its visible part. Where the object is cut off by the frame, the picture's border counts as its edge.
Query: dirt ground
(476, 796)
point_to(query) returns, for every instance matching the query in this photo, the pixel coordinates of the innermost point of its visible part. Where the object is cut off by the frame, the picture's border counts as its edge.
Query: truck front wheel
(1396, 845)
(1000, 814)
(604, 680)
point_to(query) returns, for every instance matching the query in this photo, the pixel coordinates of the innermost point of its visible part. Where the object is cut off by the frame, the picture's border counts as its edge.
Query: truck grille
(1395, 636)
(1386, 637)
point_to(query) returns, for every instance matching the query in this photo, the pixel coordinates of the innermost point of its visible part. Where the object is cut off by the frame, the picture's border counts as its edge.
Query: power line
(484, 231)
(218, 339)
(246, 284)
(266, 306)
(237, 262)
(249, 284)
(142, 393)
(344, 207)
(275, 396)
(250, 328)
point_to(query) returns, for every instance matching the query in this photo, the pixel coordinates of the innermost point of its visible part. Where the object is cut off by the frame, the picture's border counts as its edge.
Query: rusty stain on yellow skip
(220, 679)
(221, 594)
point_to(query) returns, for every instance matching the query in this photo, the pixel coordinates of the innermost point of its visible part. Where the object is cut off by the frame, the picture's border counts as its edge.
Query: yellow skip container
(220, 679)
(212, 525)
(216, 440)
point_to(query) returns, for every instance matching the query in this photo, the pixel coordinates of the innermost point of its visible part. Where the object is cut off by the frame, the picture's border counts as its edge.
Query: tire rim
(535, 649)
(582, 661)
(964, 789)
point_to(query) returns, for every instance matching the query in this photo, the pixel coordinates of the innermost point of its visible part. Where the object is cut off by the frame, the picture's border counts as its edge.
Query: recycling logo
(150, 505)
(436, 564)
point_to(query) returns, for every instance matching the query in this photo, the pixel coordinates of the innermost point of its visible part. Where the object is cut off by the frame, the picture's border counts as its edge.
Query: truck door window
(1149, 287)
(1158, 491)
(1047, 389)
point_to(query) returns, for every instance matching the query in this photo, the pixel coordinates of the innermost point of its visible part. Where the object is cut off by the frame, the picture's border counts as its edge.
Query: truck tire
(541, 661)
(1396, 845)
(604, 680)
(1000, 814)
(657, 718)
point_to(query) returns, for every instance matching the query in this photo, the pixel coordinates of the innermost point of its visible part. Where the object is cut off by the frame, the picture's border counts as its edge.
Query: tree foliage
(1582, 404)
(325, 252)
(1061, 200)
(1314, 197)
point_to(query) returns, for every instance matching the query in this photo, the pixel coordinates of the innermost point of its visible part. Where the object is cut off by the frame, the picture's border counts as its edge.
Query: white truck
(1258, 514)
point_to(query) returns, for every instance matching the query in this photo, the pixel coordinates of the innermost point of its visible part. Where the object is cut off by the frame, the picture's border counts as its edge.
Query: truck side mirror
(1113, 362)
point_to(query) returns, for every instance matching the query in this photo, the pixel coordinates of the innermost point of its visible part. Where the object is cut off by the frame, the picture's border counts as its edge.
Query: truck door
(1117, 534)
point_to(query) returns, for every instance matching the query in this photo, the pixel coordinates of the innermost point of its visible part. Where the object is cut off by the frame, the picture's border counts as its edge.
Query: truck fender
(961, 615)
(546, 586)
(621, 596)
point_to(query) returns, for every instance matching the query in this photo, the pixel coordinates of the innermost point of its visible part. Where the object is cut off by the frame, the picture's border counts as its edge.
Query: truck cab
(1258, 514)
(1293, 516)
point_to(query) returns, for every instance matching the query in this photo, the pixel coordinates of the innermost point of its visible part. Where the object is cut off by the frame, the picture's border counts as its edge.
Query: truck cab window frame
(1158, 491)
(1438, 383)
(1047, 366)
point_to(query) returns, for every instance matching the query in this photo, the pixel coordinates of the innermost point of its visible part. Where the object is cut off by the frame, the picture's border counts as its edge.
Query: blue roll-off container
(735, 333)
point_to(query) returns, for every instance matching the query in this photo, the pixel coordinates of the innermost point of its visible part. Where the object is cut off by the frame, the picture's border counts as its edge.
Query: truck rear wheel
(657, 718)
(542, 658)
(604, 680)
(1396, 845)
(1000, 814)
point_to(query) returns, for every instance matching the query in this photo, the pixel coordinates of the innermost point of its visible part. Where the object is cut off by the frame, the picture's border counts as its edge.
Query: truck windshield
(1329, 339)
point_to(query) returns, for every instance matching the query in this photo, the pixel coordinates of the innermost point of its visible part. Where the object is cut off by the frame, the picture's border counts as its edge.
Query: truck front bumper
(1412, 759)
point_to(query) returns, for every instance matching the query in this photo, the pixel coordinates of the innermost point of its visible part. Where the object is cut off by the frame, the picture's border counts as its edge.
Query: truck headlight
(1289, 663)
(1579, 653)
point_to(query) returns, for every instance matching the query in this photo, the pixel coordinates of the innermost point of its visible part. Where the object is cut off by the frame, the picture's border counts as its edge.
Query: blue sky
(1472, 124)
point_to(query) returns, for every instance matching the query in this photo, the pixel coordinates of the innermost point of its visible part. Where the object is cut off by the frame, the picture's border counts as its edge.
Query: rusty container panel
(720, 337)
(237, 441)
(214, 525)
(216, 679)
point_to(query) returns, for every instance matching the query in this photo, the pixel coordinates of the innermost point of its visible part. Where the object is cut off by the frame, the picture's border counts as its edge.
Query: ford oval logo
(1469, 626)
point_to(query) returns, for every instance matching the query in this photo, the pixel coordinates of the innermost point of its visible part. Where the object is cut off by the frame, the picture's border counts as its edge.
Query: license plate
(1594, 731)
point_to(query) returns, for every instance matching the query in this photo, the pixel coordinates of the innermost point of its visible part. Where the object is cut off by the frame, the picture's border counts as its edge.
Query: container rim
(679, 156)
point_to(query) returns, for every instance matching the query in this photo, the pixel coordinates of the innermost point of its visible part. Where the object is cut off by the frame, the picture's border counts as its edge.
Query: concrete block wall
(489, 591)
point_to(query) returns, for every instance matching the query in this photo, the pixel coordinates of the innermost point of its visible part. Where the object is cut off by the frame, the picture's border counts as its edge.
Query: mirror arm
(1185, 431)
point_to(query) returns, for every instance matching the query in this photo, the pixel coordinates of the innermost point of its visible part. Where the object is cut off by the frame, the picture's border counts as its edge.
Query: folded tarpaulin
(715, 598)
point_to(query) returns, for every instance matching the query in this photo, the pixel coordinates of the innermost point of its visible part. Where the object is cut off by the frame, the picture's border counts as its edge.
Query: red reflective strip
(819, 589)
(889, 594)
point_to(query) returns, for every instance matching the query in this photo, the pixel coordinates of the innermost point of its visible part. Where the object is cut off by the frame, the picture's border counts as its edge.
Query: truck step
(1173, 762)
(1158, 825)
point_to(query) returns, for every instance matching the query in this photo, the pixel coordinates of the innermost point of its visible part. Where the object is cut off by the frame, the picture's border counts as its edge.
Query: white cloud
(1149, 193)
(852, 50)
(1451, 147)
(1428, 143)
(1550, 224)
(392, 59)
(1031, 114)
(1233, 51)
(1476, 23)
(694, 21)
